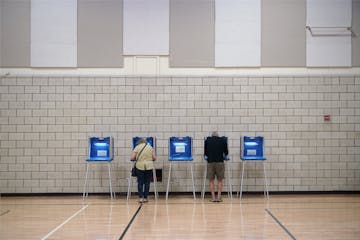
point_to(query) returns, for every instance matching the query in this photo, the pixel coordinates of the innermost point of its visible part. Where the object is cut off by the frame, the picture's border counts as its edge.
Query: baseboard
(174, 193)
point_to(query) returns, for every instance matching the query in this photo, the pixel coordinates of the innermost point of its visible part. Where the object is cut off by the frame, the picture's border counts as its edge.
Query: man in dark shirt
(216, 150)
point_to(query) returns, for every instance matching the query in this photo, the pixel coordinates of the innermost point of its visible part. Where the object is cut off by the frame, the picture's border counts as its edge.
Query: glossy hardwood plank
(35, 218)
(305, 216)
(328, 221)
(98, 222)
(204, 221)
(32, 221)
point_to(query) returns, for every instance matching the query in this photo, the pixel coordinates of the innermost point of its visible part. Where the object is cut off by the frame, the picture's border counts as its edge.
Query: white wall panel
(328, 13)
(146, 27)
(330, 49)
(54, 33)
(355, 44)
(237, 33)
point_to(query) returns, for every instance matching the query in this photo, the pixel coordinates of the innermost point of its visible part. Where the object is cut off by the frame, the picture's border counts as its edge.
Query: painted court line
(129, 224)
(66, 221)
(3, 213)
(281, 225)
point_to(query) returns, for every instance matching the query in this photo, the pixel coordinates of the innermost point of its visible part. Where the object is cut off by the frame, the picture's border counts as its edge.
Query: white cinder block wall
(45, 122)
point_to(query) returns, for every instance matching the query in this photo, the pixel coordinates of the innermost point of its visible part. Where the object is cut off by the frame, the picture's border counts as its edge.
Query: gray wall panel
(356, 35)
(283, 42)
(192, 33)
(100, 33)
(15, 33)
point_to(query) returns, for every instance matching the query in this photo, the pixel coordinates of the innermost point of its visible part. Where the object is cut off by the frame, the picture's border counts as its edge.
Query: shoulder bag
(133, 170)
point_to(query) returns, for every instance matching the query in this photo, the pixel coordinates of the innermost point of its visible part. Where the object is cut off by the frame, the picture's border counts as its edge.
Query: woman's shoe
(140, 200)
(145, 200)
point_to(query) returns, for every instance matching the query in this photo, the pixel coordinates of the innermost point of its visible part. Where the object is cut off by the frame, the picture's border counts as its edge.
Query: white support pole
(155, 182)
(192, 178)
(242, 177)
(85, 191)
(229, 180)
(204, 183)
(266, 187)
(112, 194)
(168, 183)
(129, 183)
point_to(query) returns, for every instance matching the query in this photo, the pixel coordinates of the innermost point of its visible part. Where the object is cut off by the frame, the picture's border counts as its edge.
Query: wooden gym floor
(323, 216)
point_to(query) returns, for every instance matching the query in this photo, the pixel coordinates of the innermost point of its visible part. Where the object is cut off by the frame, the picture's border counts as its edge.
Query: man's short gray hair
(214, 134)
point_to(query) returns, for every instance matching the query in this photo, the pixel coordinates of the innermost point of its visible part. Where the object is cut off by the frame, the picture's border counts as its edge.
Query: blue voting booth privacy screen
(150, 140)
(226, 140)
(180, 149)
(253, 148)
(101, 149)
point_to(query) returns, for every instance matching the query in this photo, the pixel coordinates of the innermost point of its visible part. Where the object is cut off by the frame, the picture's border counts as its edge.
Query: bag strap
(138, 155)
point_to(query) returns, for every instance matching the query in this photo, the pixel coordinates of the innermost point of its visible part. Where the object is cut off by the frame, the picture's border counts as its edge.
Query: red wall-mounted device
(326, 117)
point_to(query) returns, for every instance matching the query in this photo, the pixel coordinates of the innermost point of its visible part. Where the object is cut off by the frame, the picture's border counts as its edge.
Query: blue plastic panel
(253, 148)
(180, 149)
(150, 141)
(226, 140)
(101, 149)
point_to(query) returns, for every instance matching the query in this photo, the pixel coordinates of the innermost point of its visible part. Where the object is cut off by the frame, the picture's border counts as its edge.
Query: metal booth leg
(204, 183)
(229, 180)
(266, 187)
(129, 185)
(112, 194)
(242, 177)
(85, 191)
(168, 183)
(155, 182)
(192, 178)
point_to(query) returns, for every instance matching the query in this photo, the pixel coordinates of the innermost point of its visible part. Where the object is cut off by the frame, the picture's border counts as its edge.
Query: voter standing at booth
(144, 155)
(216, 150)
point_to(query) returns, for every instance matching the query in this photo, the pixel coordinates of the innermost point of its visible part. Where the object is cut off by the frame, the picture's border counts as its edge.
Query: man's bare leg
(212, 189)
(219, 190)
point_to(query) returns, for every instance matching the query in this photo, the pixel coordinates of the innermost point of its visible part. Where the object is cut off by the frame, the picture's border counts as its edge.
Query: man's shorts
(215, 169)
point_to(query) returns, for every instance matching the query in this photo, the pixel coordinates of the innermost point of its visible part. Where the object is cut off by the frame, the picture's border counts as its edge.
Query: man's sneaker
(145, 200)
(140, 200)
(213, 200)
(219, 200)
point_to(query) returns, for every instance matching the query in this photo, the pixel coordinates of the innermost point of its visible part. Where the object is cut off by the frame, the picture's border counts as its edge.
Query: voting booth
(180, 150)
(149, 140)
(100, 150)
(252, 150)
(227, 170)
(152, 142)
